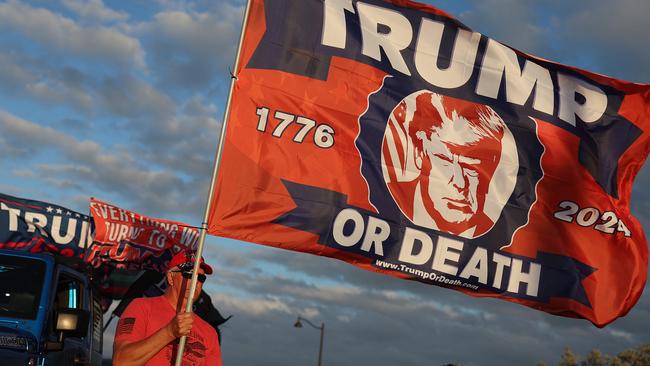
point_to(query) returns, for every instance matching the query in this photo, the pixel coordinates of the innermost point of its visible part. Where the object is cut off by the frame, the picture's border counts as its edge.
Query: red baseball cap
(188, 257)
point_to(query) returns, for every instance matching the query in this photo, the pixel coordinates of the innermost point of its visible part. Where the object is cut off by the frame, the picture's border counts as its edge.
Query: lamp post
(298, 324)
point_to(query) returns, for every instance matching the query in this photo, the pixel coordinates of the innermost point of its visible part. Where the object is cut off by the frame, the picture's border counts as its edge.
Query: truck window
(68, 293)
(21, 282)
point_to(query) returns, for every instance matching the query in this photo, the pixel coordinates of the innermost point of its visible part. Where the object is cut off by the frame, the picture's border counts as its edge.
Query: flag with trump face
(387, 134)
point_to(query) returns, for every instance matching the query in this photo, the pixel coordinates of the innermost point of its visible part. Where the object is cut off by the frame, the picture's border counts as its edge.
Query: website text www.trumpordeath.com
(431, 276)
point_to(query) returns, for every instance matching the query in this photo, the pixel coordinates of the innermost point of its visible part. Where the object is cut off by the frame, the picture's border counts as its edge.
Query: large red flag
(389, 135)
(127, 240)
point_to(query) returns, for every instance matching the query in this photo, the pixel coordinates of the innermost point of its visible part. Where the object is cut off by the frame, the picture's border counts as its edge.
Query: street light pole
(322, 335)
(320, 349)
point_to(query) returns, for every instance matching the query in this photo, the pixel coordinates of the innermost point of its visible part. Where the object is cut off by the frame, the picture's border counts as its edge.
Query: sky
(123, 101)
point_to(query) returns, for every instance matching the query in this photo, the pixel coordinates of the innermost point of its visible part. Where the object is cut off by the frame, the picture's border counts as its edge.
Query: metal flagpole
(217, 161)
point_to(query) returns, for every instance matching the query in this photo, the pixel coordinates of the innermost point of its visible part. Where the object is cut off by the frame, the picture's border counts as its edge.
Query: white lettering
(113, 213)
(390, 31)
(124, 231)
(502, 262)
(102, 210)
(13, 216)
(462, 59)
(36, 220)
(189, 237)
(499, 61)
(112, 231)
(406, 253)
(334, 27)
(397, 39)
(56, 230)
(477, 266)
(594, 105)
(85, 234)
(376, 233)
(444, 254)
(531, 279)
(339, 223)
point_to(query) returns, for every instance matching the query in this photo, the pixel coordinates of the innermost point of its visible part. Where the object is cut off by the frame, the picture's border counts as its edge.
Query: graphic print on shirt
(194, 353)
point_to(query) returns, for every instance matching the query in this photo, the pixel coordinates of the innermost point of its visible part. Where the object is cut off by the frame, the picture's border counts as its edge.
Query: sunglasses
(201, 277)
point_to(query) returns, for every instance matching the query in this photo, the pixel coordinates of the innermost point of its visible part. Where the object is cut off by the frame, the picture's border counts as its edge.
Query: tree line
(639, 356)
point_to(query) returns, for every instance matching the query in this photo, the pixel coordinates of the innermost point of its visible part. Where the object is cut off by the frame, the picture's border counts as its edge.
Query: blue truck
(50, 313)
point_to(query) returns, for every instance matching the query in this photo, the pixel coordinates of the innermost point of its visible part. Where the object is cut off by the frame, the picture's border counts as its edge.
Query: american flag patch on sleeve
(125, 326)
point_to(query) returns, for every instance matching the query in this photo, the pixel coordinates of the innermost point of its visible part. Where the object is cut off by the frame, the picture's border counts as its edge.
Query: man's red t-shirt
(145, 316)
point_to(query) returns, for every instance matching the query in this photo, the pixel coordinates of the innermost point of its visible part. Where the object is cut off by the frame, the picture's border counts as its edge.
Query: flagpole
(217, 161)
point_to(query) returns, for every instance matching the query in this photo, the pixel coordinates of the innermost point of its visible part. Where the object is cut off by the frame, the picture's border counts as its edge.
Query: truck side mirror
(72, 322)
(69, 323)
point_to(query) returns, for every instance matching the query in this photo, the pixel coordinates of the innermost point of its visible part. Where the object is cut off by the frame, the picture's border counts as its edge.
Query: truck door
(71, 292)
(97, 330)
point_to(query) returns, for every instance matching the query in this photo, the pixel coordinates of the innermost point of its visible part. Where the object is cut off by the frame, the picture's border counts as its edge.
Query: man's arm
(128, 353)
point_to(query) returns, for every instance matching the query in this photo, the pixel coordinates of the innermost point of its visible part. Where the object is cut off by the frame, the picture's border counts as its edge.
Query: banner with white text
(127, 240)
(36, 226)
(387, 134)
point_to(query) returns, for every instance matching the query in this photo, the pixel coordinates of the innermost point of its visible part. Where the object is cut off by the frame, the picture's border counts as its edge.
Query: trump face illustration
(439, 157)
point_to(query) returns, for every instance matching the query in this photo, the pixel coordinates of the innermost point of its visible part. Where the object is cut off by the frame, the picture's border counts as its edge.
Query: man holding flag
(148, 329)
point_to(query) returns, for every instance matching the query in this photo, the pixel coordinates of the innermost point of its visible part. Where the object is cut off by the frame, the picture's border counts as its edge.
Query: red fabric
(188, 257)
(126, 239)
(250, 194)
(145, 316)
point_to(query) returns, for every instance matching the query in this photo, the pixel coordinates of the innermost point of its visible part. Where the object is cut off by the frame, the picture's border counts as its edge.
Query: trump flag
(36, 226)
(127, 240)
(387, 134)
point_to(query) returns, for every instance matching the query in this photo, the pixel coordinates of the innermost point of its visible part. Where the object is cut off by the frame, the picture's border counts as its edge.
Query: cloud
(95, 10)
(176, 139)
(58, 33)
(127, 96)
(185, 141)
(609, 36)
(12, 75)
(604, 39)
(530, 33)
(118, 95)
(365, 310)
(27, 77)
(190, 49)
(90, 165)
(257, 307)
